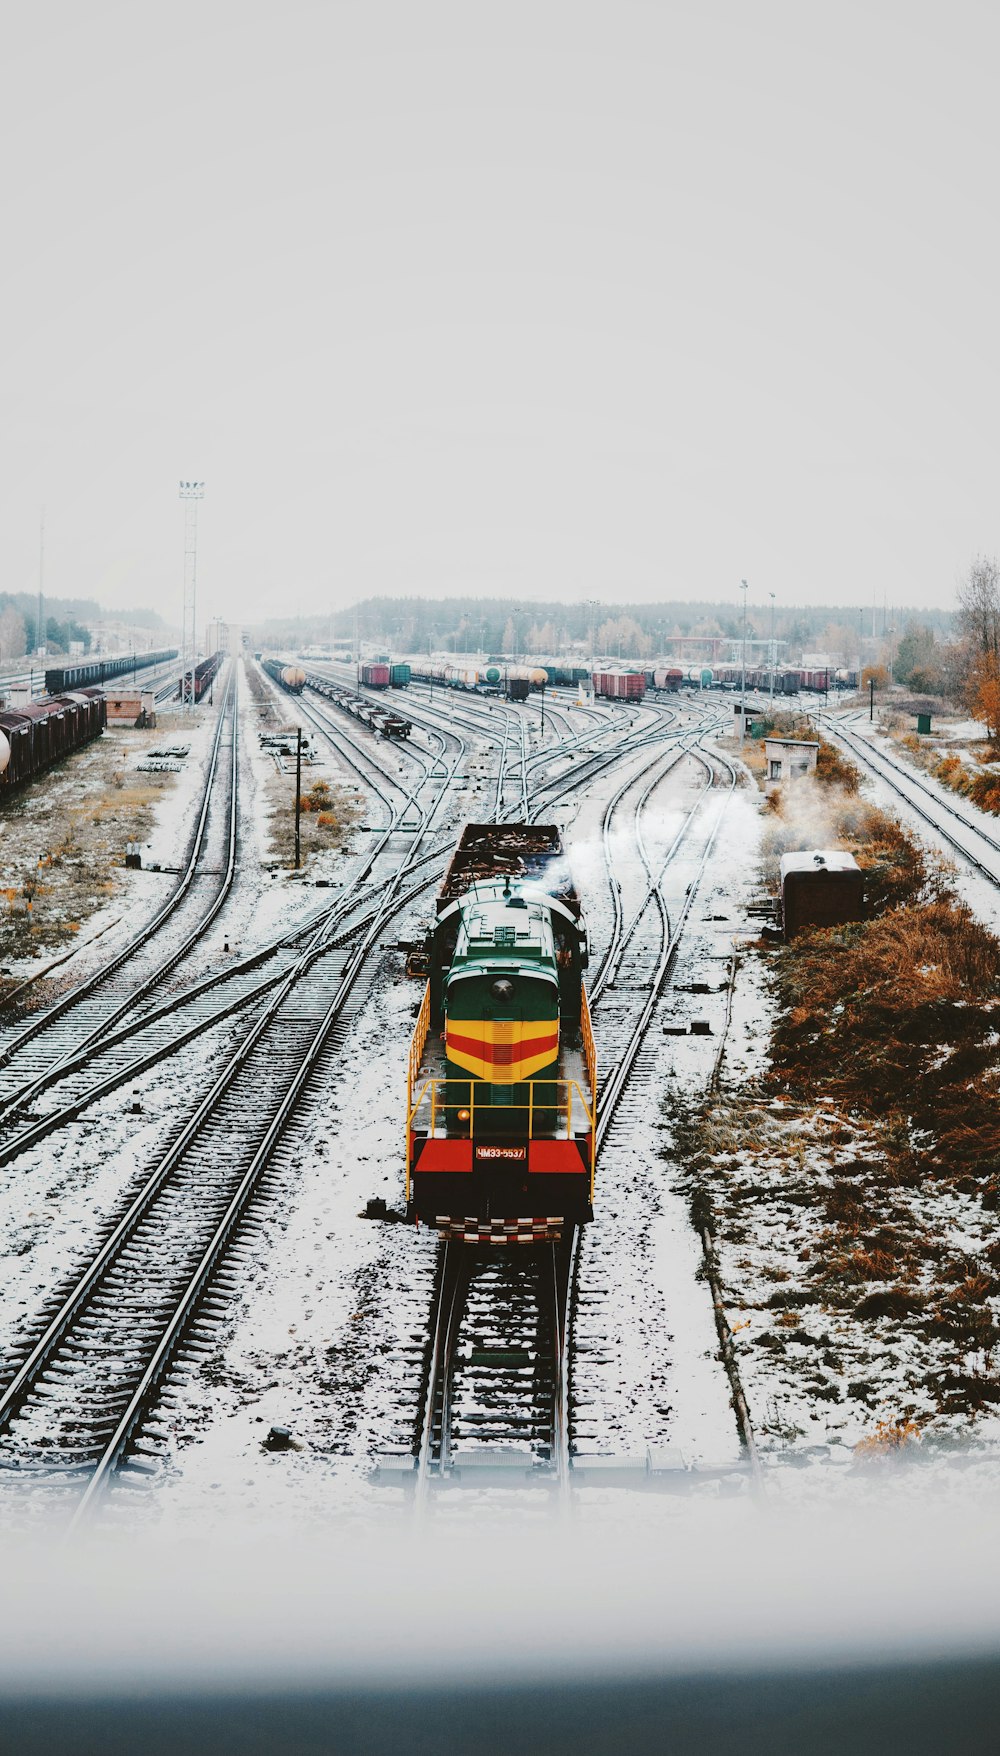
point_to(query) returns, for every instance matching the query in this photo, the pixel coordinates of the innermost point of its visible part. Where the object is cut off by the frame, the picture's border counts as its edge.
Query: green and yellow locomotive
(502, 1074)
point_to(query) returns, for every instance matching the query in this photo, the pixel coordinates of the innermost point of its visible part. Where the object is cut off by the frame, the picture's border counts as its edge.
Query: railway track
(76, 1394)
(973, 842)
(33, 1053)
(496, 1382)
(495, 1398)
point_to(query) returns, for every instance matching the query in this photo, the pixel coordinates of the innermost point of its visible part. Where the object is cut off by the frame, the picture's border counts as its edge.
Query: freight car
(371, 714)
(620, 685)
(375, 676)
(821, 888)
(205, 674)
(665, 677)
(451, 676)
(36, 735)
(291, 677)
(399, 676)
(502, 1074)
(86, 676)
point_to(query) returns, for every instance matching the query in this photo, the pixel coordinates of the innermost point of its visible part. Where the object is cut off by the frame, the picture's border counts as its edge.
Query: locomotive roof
(501, 931)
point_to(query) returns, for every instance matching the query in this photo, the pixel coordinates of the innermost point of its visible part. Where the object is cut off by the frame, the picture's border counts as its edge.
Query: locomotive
(502, 1074)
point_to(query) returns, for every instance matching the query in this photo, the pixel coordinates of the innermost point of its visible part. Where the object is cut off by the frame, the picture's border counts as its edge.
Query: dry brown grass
(64, 841)
(887, 1441)
(326, 817)
(904, 1007)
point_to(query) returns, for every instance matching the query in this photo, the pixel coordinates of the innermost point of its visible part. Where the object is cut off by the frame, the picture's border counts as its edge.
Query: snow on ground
(327, 1334)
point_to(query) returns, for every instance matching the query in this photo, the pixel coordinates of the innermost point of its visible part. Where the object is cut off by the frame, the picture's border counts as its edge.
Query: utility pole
(743, 686)
(298, 793)
(771, 595)
(190, 493)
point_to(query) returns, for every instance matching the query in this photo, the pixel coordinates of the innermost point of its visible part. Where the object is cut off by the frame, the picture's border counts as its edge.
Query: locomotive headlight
(463, 1115)
(501, 989)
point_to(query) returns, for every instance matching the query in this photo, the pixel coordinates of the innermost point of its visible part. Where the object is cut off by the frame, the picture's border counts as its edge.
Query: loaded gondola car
(93, 671)
(500, 1136)
(40, 733)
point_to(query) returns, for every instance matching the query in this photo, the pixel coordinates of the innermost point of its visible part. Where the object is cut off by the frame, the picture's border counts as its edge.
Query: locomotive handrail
(417, 1042)
(587, 1032)
(430, 1091)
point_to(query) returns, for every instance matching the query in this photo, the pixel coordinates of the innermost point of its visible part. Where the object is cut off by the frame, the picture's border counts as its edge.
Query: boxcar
(375, 676)
(620, 685)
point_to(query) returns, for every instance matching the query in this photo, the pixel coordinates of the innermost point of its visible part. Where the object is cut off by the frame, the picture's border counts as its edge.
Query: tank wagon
(620, 685)
(40, 733)
(820, 888)
(375, 676)
(502, 1075)
(489, 678)
(291, 677)
(371, 714)
(95, 671)
(560, 675)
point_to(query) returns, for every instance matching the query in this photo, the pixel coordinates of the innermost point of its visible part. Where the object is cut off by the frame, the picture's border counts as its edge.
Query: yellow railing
(589, 1048)
(417, 1042)
(457, 1115)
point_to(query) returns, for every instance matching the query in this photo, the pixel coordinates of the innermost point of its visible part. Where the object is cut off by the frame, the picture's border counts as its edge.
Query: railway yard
(215, 1304)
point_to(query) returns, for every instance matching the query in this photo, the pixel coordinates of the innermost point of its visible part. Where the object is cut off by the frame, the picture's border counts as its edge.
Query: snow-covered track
(90, 1010)
(76, 1400)
(971, 840)
(494, 1404)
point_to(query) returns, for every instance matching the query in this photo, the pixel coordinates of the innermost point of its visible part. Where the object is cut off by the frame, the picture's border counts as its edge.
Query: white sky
(549, 297)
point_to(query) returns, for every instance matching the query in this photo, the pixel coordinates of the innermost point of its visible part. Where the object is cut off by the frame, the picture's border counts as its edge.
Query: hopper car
(34, 736)
(620, 685)
(291, 677)
(95, 671)
(502, 1075)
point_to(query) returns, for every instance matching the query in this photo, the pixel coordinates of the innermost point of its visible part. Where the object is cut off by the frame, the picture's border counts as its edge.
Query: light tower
(191, 493)
(40, 626)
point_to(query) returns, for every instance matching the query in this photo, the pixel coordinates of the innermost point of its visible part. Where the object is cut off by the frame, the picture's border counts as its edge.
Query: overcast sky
(550, 297)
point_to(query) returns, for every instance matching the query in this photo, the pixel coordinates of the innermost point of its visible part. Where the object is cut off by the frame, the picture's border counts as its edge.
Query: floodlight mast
(190, 493)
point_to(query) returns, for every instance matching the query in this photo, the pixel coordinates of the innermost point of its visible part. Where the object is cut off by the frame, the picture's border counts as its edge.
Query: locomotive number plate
(516, 1153)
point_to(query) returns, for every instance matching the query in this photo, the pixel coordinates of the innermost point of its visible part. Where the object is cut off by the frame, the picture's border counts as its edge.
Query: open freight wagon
(501, 1084)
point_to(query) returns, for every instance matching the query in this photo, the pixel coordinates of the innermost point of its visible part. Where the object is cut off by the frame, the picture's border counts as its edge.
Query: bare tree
(979, 608)
(13, 639)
